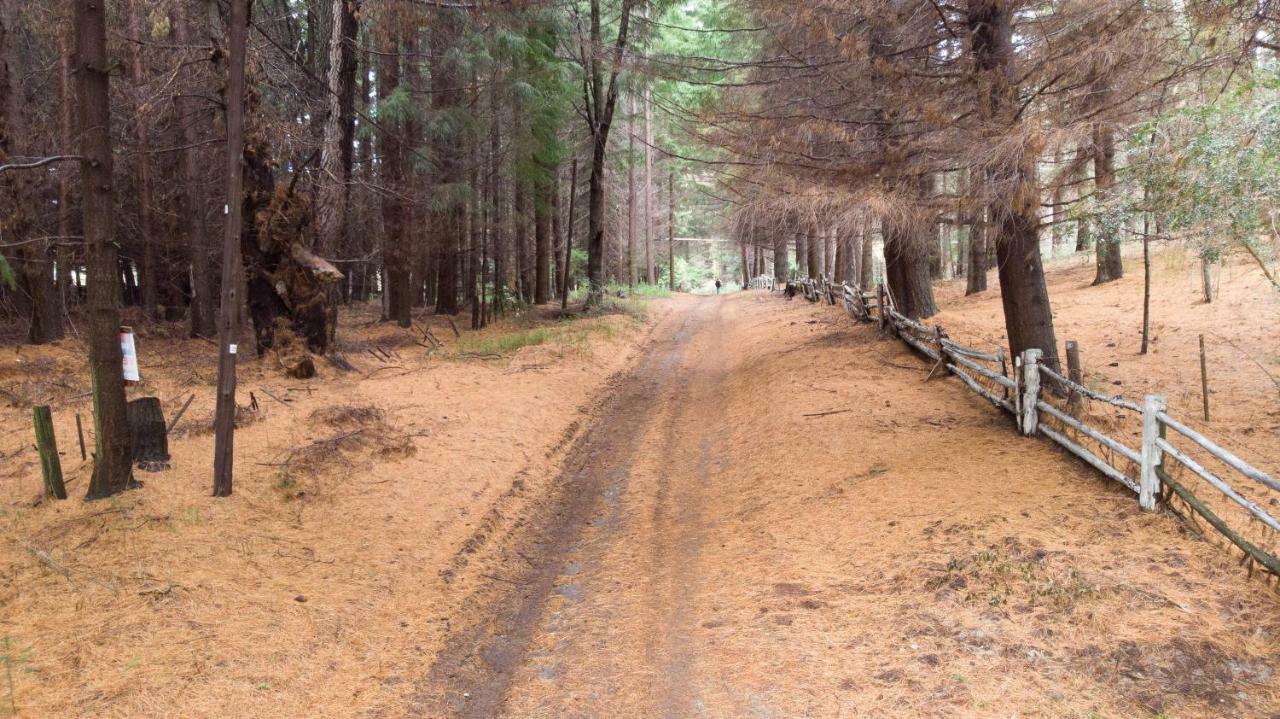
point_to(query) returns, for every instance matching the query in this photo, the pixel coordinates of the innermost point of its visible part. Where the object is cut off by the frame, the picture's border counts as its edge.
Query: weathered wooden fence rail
(1030, 395)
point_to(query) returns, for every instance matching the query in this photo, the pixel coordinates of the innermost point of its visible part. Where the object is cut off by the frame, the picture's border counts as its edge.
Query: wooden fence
(1044, 402)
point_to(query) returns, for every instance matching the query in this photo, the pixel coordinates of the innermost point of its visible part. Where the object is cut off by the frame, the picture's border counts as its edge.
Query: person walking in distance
(717, 285)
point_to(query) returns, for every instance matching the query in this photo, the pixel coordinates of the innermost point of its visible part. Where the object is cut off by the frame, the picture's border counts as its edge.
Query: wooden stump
(50, 464)
(148, 434)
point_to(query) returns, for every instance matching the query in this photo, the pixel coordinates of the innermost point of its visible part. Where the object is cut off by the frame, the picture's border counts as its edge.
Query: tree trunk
(906, 269)
(336, 154)
(497, 202)
(1024, 295)
(866, 265)
(1206, 278)
(1110, 265)
(449, 143)
(812, 242)
(112, 469)
(67, 130)
(191, 207)
(649, 276)
(976, 273)
(599, 101)
(631, 191)
(142, 170)
(396, 249)
(524, 267)
(542, 207)
(34, 264)
(671, 231)
(779, 257)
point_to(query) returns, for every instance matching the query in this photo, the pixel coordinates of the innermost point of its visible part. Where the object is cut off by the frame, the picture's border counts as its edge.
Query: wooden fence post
(80, 433)
(1204, 380)
(881, 309)
(1076, 374)
(50, 464)
(1030, 390)
(1152, 455)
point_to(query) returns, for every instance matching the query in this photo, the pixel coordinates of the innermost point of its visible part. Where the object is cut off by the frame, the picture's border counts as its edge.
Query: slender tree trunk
(600, 99)
(1109, 262)
(67, 130)
(812, 259)
(191, 207)
(631, 191)
(447, 95)
(671, 231)
(802, 249)
(142, 170)
(780, 256)
(649, 276)
(497, 202)
(23, 204)
(557, 235)
(542, 208)
(112, 465)
(524, 268)
(336, 155)
(1146, 290)
(1206, 278)
(396, 249)
(232, 241)
(866, 265)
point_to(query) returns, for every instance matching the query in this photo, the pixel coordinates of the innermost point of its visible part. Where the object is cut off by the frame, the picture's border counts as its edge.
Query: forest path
(774, 516)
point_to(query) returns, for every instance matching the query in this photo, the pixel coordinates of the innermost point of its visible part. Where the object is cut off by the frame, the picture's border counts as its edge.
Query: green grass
(613, 288)
(507, 344)
(572, 333)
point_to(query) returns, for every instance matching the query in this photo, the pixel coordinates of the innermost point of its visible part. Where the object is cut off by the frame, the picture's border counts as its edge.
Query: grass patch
(508, 343)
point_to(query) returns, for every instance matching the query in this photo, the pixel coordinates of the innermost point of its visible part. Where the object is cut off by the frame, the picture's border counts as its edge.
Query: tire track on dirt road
(470, 677)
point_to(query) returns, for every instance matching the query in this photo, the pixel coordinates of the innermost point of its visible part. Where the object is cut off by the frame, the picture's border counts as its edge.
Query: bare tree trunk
(1109, 262)
(67, 130)
(191, 208)
(1028, 317)
(780, 256)
(866, 265)
(906, 268)
(600, 100)
(630, 273)
(447, 96)
(497, 220)
(1206, 278)
(396, 249)
(336, 154)
(557, 236)
(112, 458)
(142, 170)
(34, 264)
(812, 242)
(524, 267)
(671, 230)
(649, 277)
(542, 238)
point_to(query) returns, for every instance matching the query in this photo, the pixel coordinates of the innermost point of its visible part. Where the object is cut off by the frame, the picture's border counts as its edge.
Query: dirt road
(774, 516)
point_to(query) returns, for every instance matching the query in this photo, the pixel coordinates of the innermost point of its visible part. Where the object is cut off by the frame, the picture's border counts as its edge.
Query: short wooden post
(1030, 390)
(46, 442)
(1152, 455)
(1204, 379)
(881, 309)
(80, 433)
(1075, 374)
